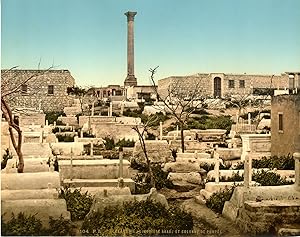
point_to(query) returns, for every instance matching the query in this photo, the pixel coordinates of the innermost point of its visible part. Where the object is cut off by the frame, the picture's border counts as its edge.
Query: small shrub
(109, 143)
(282, 162)
(60, 227)
(142, 167)
(134, 218)
(200, 111)
(65, 138)
(53, 116)
(207, 166)
(125, 143)
(150, 136)
(22, 225)
(217, 200)
(85, 134)
(57, 129)
(6, 156)
(236, 177)
(269, 178)
(78, 203)
(142, 180)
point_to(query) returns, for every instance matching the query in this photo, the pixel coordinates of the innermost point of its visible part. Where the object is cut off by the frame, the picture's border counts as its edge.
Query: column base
(130, 81)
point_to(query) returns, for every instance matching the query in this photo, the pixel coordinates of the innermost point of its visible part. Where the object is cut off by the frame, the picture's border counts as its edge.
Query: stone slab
(39, 180)
(29, 194)
(99, 191)
(92, 169)
(99, 183)
(181, 167)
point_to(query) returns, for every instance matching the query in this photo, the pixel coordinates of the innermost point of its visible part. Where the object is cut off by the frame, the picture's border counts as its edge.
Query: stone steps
(99, 183)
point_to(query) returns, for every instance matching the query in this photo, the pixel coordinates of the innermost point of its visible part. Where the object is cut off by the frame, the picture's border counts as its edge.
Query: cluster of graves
(35, 190)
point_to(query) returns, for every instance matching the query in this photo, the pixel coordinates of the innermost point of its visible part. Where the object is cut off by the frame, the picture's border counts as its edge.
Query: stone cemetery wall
(205, 82)
(37, 89)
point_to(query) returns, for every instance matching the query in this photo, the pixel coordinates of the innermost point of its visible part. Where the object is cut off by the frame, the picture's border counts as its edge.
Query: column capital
(130, 15)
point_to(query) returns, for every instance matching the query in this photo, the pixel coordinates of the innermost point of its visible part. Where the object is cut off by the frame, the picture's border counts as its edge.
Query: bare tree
(180, 101)
(142, 131)
(9, 86)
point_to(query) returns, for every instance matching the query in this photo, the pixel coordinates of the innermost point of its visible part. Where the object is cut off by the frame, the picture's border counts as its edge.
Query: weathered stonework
(287, 139)
(37, 95)
(218, 84)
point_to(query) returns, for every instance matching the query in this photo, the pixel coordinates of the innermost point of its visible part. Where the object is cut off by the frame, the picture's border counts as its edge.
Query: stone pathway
(218, 225)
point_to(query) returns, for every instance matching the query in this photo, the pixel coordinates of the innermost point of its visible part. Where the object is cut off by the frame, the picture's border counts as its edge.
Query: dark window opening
(231, 83)
(118, 92)
(280, 122)
(50, 90)
(24, 89)
(242, 83)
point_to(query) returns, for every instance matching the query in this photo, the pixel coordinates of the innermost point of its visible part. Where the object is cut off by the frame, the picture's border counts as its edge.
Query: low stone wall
(71, 120)
(190, 146)
(95, 119)
(158, 151)
(64, 148)
(92, 169)
(32, 118)
(229, 153)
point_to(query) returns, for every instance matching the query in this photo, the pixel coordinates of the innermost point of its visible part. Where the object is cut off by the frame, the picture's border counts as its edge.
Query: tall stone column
(130, 79)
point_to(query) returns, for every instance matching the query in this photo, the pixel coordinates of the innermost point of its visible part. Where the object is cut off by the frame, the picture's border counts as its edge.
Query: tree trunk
(12, 125)
(182, 137)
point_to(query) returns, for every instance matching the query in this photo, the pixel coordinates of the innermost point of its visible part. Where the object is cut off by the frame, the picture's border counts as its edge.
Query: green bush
(78, 203)
(236, 177)
(125, 143)
(142, 180)
(21, 225)
(52, 116)
(217, 200)
(135, 218)
(29, 225)
(67, 129)
(210, 122)
(85, 134)
(109, 143)
(65, 138)
(269, 178)
(60, 227)
(282, 162)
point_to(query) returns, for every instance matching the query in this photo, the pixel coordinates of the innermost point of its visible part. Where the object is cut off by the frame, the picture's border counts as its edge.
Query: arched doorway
(217, 87)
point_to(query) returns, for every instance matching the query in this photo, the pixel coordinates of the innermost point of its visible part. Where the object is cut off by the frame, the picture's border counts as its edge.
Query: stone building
(111, 92)
(46, 90)
(221, 85)
(285, 125)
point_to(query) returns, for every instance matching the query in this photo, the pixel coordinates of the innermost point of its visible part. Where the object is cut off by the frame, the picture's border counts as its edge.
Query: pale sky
(88, 37)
